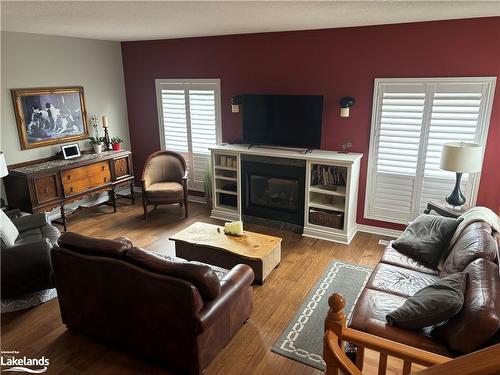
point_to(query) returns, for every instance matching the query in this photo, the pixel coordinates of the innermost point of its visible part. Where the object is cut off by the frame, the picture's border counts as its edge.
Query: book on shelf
(328, 176)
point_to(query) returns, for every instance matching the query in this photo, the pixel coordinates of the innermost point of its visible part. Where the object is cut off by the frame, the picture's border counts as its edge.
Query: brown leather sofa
(398, 276)
(178, 313)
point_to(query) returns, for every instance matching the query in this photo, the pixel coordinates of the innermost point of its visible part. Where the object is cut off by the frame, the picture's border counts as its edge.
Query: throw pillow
(8, 230)
(426, 238)
(431, 305)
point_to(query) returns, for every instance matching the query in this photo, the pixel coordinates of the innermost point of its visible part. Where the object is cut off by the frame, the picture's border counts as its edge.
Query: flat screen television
(282, 120)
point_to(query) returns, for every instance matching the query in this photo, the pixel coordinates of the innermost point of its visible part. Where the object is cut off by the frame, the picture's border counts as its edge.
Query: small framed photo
(70, 151)
(47, 116)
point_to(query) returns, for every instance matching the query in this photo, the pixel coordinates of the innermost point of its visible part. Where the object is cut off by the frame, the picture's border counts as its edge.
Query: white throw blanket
(473, 215)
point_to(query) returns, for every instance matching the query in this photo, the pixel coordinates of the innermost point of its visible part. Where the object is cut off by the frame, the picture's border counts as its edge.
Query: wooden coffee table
(207, 243)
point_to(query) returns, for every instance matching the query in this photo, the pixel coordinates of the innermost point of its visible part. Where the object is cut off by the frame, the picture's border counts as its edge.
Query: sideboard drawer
(46, 189)
(88, 183)
(121, 167)
(82, 172)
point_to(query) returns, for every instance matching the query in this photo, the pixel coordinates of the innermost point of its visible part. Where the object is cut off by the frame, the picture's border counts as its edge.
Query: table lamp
(460, 157)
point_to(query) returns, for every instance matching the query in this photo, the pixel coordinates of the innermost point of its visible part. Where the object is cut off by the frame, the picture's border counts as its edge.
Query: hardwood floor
(39, 331)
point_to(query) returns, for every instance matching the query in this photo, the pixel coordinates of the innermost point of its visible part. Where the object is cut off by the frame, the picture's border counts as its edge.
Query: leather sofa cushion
(394, 257)
(47, 231)
(431, 305)
(479, 319)
(399, 281)
(201, 276)
(427, 237)
(369, 316)
(475, 242)
(94, 246)
(165, 190)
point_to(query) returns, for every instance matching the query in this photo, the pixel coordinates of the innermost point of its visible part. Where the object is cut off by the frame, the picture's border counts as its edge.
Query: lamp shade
(461, 157)
(3, 165)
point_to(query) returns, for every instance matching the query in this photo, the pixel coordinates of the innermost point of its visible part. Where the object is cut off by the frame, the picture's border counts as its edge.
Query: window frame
(186, 84)
(483, 127)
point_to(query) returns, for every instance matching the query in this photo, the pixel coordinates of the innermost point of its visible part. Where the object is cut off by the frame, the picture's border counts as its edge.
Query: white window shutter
(399, 114)
(189, 116)
(203, 113)
(411, 121)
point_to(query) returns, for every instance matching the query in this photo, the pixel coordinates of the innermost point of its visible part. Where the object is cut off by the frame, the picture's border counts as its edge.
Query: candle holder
(107, 142)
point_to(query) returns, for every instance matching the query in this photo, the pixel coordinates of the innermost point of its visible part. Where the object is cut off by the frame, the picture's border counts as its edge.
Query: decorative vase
(117, 146)
(98, 148)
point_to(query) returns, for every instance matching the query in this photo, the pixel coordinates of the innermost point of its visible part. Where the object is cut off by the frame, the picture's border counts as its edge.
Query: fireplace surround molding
(326, 195)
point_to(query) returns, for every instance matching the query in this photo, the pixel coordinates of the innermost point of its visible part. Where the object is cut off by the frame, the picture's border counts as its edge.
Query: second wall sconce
(345, 103)
(235, 103)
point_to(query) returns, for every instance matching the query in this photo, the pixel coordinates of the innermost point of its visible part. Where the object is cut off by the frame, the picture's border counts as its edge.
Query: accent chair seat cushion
(165, 190)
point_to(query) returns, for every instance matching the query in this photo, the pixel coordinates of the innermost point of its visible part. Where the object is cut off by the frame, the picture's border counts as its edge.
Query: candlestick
(107, 141)
(104, 122)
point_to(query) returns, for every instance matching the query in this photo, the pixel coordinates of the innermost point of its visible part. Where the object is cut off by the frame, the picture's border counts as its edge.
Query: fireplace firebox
(273, 189)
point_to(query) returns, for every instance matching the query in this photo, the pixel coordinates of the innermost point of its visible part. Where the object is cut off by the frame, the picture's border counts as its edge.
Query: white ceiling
(140, 20)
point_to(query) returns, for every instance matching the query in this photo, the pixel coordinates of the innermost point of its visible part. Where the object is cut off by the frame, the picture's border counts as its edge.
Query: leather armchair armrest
(15, 257)
(27, 222)
(241, 276)
(26, 268)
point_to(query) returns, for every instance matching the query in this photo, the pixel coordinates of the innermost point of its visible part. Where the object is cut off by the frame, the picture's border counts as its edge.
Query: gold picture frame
(51, 115)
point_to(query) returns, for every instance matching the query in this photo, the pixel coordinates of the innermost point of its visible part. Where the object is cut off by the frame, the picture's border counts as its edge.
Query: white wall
(31, 60)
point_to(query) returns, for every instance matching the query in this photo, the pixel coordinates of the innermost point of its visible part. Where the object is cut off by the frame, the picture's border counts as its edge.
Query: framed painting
(47, 116)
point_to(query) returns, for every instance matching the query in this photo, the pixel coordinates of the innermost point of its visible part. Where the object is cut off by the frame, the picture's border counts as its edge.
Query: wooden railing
(483, 362)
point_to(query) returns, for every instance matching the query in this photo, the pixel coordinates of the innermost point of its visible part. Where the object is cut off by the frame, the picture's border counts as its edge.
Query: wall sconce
(345, 103)
(235, 103)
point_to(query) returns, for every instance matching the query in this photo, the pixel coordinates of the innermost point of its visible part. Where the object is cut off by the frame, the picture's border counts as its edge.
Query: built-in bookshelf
(226, 171)
(327, 195)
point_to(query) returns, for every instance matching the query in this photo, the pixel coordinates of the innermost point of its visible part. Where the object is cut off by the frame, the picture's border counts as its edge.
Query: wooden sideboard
(43, 186)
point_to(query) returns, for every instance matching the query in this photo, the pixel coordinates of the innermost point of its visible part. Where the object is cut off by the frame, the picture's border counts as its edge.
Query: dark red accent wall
(332, 62)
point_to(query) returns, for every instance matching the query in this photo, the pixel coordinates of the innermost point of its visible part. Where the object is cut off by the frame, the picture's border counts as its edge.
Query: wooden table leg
(63, 218)
(112, 196)
(132, 195)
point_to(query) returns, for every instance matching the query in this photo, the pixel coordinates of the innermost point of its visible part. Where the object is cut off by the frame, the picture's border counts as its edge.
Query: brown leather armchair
(176, 312)
(164, 180)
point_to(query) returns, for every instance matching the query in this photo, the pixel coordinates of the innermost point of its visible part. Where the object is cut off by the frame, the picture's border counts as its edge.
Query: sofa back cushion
(476, 241)
(426, 238)
(201, 276)
(479, 319)
(94, 246)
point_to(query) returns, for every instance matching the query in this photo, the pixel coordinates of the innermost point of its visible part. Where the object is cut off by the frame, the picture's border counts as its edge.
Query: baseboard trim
(379, 230)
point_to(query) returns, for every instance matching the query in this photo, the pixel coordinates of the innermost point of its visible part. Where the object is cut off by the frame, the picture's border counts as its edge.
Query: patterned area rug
(302, 339)
(28, 300)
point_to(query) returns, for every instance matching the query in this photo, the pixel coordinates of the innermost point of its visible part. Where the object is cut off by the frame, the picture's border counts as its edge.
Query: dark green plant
(208, 180)
(96, 140)
(116, 140)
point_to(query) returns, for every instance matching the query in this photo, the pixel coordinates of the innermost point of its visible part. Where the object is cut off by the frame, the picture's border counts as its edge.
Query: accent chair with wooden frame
(164, 180)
